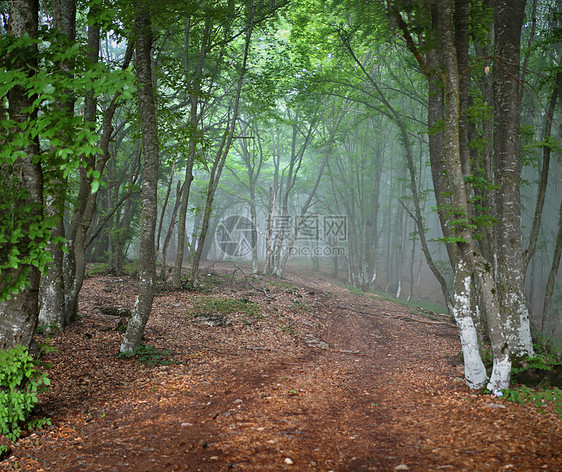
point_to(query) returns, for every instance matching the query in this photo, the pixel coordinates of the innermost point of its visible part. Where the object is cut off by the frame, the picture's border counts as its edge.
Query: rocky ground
(303, 375)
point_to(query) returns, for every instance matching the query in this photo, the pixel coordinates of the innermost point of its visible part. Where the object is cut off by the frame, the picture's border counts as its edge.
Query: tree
(508, 21)
(53, 310)
(507, 322)
(252, 160)
(20, 164)
(225, 145)
(59, 141)
(149, 133)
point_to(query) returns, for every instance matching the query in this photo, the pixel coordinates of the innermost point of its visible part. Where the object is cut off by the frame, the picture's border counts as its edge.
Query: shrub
(20, 382)
(543, 371)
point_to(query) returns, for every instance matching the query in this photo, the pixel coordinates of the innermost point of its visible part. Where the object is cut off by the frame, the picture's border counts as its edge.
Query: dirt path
(322, 380)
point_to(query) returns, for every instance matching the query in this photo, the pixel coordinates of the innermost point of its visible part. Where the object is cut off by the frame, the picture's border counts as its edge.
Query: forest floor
(308, 377)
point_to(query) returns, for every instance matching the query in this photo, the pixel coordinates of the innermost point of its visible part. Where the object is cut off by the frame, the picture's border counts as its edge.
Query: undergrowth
(225, 306)
(149, 355)
(355, 290)
(540, 398)
(537, 380)
(20, 381)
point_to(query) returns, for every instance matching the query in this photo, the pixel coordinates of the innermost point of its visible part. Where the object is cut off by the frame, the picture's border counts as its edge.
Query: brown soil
(321, 380)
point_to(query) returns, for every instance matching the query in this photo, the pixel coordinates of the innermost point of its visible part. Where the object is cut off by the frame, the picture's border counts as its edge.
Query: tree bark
(18, 314)
(149, 131)
(53, 283)
(474, 370)
(548, 306)
(508, 20)
(469, 258)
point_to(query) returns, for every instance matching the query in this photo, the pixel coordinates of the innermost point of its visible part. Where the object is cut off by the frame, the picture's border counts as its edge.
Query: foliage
(542, 369)
(65, 142)
(355, 290)
(540, 398)
(535, 379)
(225, 306)
(149, 355)
(97, 268)
(20, 382)
(23, 240)
(289, 329)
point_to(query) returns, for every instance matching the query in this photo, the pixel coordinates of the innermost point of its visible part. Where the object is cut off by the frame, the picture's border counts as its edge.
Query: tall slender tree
(149, 132)
(53, 290)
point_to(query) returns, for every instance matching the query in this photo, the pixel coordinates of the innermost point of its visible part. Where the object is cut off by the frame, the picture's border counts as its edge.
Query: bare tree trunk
(301, 219)
(510, 269)
(253, 169)
(474, 370)
(149, 129)
(74, 262)
(270, 239)
(165, 205)
(543, 182)
(254, 229)
(179, 191)
(548, 311)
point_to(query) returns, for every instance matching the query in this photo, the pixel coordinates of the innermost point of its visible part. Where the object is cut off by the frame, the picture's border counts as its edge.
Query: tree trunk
(254, 229)
(53, 287)
(19, 313)
(474, 370)
(543, 182)
(179, 192)
(149, 131)
(548, 309)
(165, 204)
(508, 19)
(469, 257)
(74, 262)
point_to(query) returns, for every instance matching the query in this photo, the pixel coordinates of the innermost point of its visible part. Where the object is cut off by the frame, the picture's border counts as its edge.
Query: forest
(405, 148)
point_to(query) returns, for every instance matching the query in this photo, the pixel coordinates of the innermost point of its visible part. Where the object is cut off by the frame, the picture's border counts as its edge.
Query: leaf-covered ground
(313, 378)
